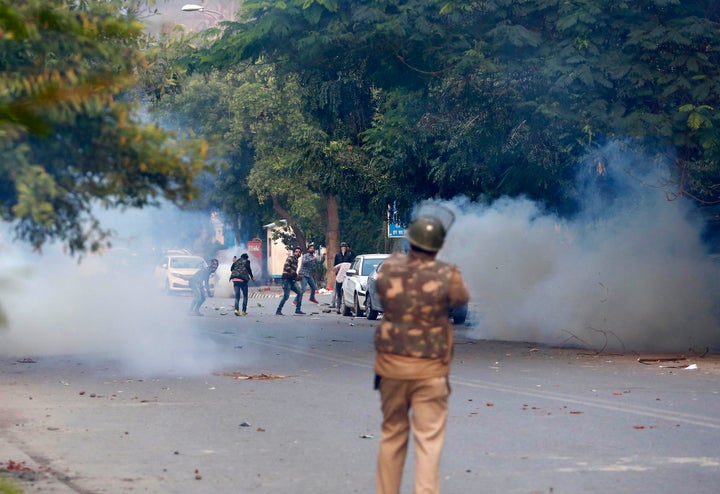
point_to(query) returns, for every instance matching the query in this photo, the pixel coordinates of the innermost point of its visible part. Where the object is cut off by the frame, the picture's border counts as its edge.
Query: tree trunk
(332, 237)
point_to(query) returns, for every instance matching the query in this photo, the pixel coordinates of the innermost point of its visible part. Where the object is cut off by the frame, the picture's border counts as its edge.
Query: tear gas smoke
(104, 307)
(629, 272)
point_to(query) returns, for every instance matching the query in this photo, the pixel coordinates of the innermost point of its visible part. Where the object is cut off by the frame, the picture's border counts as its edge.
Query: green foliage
(253, 124)
(36, 77)
(72, 140)
(403, 100)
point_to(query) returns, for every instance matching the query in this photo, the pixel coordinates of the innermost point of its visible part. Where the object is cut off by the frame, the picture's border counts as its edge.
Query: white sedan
(355, 285)
(373, 306)
(174, 272)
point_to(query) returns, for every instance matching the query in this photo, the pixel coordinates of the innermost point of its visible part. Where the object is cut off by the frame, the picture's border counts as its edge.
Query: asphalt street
(288, 407)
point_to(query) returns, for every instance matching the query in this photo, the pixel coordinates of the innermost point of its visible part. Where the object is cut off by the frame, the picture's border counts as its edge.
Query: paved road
(523, 419)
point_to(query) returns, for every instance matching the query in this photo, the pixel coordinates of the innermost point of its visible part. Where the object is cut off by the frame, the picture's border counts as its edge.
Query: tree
(248, 121)
(646, 72)
(540, 84)
(334, 99)
(72, 140)
(442, 98)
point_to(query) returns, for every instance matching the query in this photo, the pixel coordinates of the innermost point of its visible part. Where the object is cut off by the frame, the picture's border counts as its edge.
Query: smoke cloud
(106, 307)
(628, 272)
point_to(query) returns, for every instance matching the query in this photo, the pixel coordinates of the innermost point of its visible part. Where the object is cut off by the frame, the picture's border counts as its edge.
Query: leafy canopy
(70, 137)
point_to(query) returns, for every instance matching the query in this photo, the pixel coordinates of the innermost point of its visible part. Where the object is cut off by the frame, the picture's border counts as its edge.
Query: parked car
(373, 307)
(354, 285)
(175, 270)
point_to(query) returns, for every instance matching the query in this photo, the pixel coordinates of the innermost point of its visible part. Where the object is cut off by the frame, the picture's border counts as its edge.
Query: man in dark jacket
(199, 283)
(307, 271)
(343, 259)
(240, 275)
(290, 277)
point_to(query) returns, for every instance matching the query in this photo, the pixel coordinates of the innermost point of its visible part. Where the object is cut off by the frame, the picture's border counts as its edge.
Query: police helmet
(426, 233)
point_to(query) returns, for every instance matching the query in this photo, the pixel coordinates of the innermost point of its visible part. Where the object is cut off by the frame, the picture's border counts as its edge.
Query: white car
(373, 306)
(354, 286)
(174, 272)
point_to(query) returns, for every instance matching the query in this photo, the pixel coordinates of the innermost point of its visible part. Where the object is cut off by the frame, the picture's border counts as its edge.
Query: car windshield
(186, 262)
(369, 265)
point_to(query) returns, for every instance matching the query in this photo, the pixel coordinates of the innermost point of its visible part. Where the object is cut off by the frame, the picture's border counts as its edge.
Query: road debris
(662, 360)
(657, 360)
(241, 376)
(15, 466)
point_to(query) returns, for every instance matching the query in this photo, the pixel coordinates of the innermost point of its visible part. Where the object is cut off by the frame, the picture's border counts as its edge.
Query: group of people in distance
(413, 342)
(241, 274)
(291, 275)
(310, 260)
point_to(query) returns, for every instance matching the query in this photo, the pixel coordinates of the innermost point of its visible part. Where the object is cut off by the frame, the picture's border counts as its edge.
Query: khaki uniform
(414, 350)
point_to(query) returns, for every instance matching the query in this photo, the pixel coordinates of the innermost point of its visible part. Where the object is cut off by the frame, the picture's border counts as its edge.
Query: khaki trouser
(426, 401)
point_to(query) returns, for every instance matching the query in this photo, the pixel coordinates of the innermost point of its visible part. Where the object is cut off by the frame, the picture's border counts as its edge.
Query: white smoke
(629, 272)
(101, 307)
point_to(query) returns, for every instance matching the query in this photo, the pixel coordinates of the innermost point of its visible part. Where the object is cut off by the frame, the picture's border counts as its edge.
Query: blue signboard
(395, 228)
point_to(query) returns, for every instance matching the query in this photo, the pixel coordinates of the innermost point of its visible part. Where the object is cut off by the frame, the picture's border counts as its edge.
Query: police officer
(413, 346)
